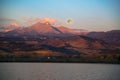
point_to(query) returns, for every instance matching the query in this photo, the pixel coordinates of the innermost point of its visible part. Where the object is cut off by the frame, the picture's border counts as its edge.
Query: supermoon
(69, 21)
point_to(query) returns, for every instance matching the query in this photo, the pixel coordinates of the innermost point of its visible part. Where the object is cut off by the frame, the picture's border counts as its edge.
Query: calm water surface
(59, 71)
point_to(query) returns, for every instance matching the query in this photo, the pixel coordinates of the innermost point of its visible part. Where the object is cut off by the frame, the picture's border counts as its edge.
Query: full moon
(69, 21)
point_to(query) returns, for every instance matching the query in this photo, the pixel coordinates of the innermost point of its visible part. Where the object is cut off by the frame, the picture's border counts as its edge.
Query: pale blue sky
(100, 15)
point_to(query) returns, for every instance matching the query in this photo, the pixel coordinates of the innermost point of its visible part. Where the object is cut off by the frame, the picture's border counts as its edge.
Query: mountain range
(47, 30)
(44, 29)
(47, 40)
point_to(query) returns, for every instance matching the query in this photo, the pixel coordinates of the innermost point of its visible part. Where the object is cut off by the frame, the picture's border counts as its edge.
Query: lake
(59, 71)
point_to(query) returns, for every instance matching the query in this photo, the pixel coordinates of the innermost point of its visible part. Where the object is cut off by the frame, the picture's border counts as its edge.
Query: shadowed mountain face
(64, 29)
(74, 45)
(110, 37)
(80, 42)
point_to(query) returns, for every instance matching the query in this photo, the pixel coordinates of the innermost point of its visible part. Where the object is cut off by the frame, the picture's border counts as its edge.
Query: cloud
(6, 19)
(30, 20)
(42, 20)
(9, 27)
(51, 21)
(13, 24)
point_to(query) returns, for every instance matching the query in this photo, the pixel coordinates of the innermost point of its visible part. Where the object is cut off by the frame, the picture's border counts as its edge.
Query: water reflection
(58, 71)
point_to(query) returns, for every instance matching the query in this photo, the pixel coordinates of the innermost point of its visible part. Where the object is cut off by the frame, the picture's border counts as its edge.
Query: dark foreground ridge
(59, 60)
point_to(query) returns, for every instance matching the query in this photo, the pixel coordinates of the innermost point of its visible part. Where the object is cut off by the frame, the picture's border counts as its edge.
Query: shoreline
(58, 62)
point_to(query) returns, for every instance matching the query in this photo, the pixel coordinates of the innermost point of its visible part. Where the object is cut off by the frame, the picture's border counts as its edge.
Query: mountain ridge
(111, 37)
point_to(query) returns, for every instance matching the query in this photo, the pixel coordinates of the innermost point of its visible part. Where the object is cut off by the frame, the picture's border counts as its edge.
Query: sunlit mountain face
(9, 27)
(44, 27)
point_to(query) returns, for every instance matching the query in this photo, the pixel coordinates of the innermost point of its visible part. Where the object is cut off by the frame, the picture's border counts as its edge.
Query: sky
(93, 15)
